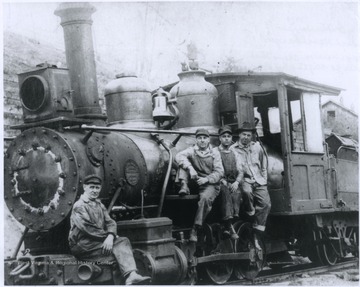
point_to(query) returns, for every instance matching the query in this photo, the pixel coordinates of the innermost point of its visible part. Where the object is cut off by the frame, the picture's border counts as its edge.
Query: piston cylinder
(198, 99)
(129, 102)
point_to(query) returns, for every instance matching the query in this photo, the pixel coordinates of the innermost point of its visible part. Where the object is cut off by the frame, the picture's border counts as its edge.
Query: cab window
(305, 122)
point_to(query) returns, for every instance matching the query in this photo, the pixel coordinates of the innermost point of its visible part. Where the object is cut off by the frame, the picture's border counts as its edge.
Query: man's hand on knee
(202, 180)
(107, 245)
(234, 186)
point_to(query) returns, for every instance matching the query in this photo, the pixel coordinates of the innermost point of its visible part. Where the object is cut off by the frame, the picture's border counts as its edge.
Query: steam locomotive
(313, 182)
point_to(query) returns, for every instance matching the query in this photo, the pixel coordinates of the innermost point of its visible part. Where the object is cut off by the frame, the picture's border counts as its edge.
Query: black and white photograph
(180, 143)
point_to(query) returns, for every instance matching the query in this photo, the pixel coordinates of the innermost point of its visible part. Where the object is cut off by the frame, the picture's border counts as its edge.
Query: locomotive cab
(290, 128)
(305, 186)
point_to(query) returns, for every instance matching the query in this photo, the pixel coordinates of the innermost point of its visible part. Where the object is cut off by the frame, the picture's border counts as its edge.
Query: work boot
(193, 235)
(136, 279)
(184, 189)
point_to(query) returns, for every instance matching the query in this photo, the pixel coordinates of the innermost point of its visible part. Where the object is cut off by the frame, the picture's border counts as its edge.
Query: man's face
(202, 141)
(226, 139)
(245, 138)
(92, 190)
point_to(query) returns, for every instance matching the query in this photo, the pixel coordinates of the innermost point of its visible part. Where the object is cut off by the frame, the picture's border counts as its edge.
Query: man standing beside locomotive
(203, 165)
(93, 234)
(230, 183)
(256, 199)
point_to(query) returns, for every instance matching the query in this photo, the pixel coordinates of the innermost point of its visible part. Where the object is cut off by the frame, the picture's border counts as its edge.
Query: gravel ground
(344, 278)
(337, 278)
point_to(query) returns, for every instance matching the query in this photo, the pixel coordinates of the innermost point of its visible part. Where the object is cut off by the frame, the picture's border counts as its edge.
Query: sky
(315, 40)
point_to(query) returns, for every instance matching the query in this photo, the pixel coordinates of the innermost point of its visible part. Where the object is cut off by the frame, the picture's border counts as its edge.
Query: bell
(161, 112)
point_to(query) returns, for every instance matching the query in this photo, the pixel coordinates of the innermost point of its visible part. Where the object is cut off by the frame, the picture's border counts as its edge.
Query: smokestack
(76, 22)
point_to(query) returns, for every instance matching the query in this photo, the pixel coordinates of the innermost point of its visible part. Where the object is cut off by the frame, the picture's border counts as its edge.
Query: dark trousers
(230, 202)
(256, 201)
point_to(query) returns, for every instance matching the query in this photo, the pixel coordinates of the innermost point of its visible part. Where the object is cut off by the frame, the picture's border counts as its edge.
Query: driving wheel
(326, 250)
(245, 243)
(218, 272)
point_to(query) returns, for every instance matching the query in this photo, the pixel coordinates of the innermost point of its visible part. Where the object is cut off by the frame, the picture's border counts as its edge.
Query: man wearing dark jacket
(93, 234)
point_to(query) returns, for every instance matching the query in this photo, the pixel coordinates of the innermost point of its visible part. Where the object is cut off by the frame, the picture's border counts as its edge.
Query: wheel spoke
(246, 269)
(325, 249)
(218, 272)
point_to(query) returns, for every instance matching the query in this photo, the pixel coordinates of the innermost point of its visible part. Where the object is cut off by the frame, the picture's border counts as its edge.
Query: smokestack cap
(125, 75)
(74, 12)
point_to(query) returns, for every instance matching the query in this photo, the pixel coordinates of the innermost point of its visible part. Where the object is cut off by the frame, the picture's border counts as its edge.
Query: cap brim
(225, 132)
(246, 130)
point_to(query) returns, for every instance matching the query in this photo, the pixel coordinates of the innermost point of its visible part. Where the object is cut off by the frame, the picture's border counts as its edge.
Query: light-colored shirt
(253, 160)
(207, 163)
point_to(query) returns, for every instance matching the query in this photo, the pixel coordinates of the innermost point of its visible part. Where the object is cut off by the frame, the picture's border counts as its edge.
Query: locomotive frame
(314, 191)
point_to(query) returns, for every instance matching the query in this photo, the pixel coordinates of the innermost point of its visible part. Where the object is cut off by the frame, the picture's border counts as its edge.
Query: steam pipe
(100, 128)
(76, 22)
(167, 176)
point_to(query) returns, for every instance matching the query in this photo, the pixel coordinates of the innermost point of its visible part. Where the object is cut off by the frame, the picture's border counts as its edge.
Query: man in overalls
(203, 165)
(230, 191)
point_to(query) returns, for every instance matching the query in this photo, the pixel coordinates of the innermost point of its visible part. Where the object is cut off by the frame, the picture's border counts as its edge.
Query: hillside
(23, 54)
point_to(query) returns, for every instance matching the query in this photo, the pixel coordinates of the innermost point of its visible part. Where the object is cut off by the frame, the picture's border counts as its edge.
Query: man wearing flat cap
(93, 236)
(256, 199)
(230, 191)
(203, 165)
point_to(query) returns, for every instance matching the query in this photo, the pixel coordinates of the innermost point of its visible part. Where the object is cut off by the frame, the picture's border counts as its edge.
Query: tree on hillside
(230, 64)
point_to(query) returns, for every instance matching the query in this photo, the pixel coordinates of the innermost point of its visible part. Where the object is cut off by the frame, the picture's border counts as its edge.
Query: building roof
(340, 106)
(345, 141)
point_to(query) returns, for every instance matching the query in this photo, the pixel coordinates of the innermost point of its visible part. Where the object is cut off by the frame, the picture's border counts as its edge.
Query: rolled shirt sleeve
(182, 158)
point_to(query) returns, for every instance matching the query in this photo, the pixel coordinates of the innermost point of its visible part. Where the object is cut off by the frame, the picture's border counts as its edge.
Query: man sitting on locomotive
(203, 165)
(230, 191)
(253, 159)
(93, 234)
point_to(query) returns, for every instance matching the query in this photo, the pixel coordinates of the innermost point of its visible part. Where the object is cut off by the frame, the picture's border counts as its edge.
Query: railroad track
(296, 271)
